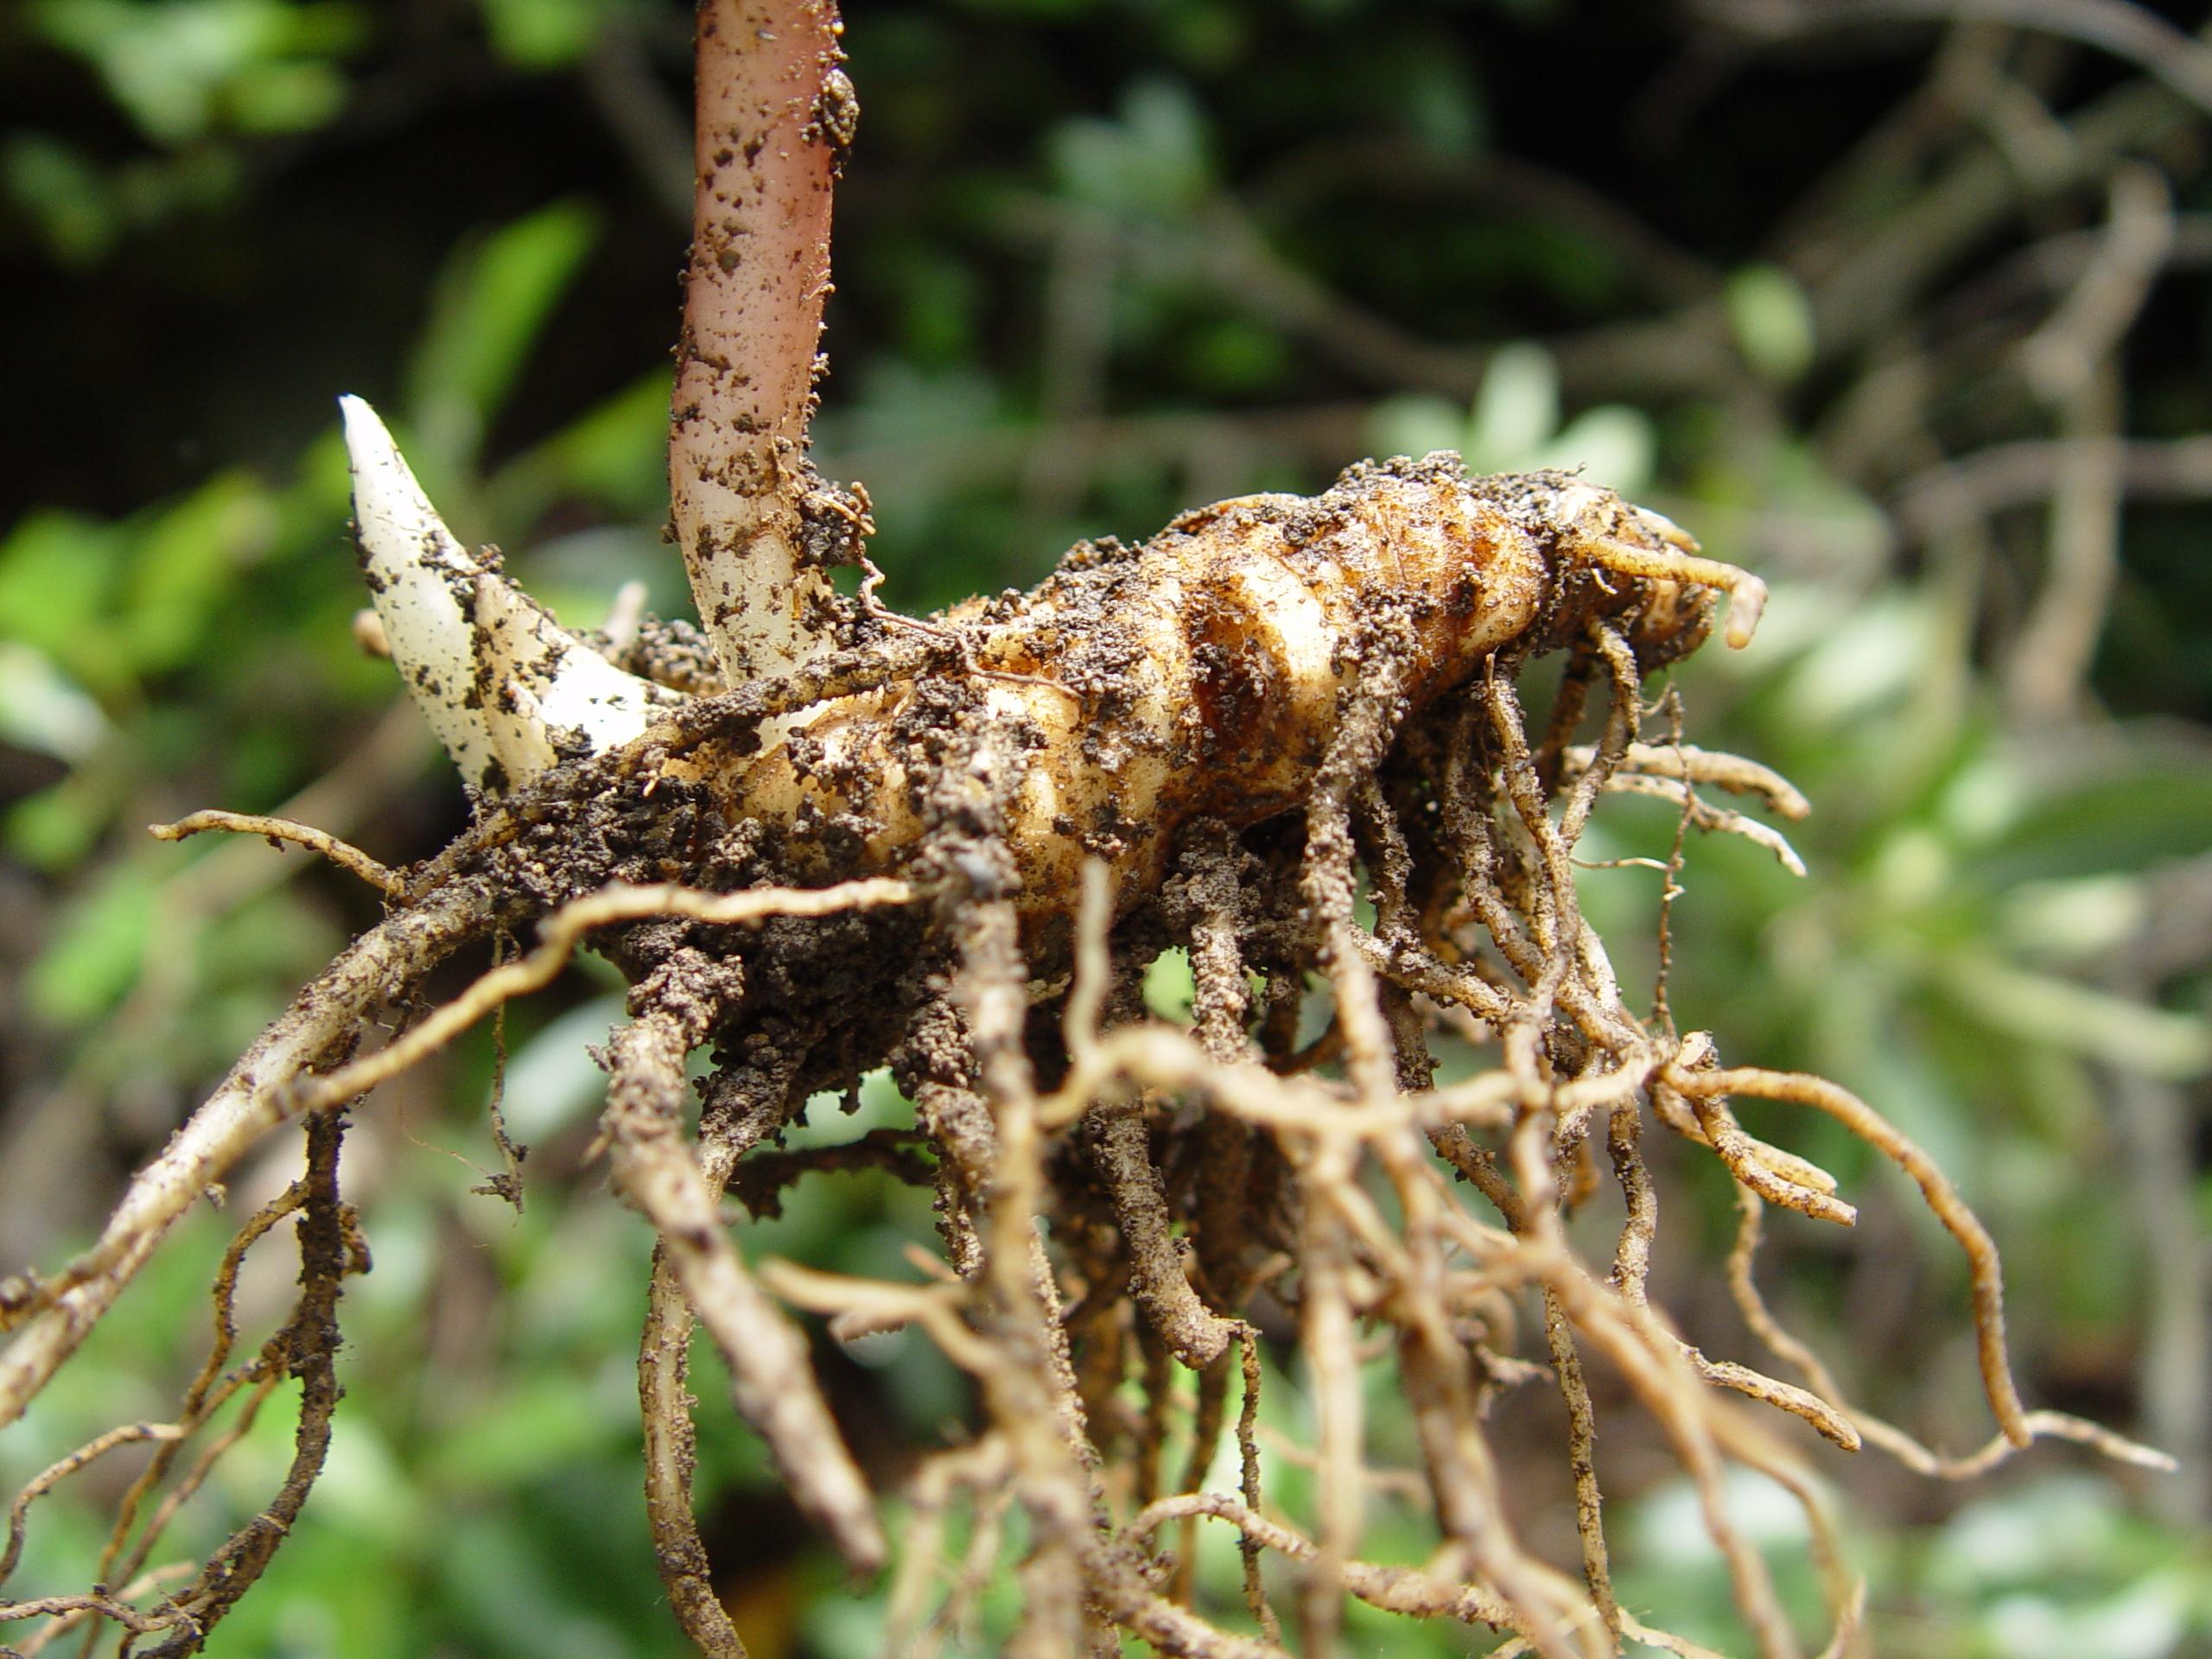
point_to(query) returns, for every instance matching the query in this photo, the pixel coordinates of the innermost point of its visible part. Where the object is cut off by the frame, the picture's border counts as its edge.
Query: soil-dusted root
(670, 1455)
(955, 846)
(347, 857)
(770, 1373)
(56, 1312)
(303, 1348)
(306, 1348)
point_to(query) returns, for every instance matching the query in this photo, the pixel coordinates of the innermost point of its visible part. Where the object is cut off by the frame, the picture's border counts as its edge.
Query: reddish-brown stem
(775, 116)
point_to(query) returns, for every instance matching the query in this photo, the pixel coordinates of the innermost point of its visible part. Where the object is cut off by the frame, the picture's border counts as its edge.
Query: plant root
(347, 857)
(1134, 1216)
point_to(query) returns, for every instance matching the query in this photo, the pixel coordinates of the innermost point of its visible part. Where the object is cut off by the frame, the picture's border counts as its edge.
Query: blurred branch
(2058, 263)
(2073, 360)
(1078, 341)
(2175, 935)
(1398, 169)
(1905, 143)
(1861, 269)
(1872, 280)
(1321, 436)
(1222, 247)
(2049, 661)
(618, 75)
(2155, 1131)
(2014, 114)
(2158, 1127)
(2062, 356)
(1682, 351)
(55, 1131)
(2132, 33)
(2009, 475)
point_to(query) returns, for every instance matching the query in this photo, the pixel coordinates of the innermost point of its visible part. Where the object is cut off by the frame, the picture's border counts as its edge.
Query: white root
(507, 690)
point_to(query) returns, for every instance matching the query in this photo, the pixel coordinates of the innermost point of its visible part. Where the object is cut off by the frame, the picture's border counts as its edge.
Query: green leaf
(187, 567)
(184, 67)
(1441, 102)
(539, 1420)
(618, 451)
(552, 1081)
(1773, 321)
(1169, 988)
(1613, 445)
(2141, 1621)
(64, 193)
(1151, 159)
(1862, 661)
(2147, 810)
(54, 829)
(2078, 1019)
(41, 709)
(544, 33)
(98, 947)
(56, 571)
(492, 300)
(1415, 423)
(2075, 920)
(1515, 411)
(285, 96)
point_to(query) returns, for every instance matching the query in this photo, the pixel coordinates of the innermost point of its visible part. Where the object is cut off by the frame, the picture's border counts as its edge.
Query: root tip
(1746, 603)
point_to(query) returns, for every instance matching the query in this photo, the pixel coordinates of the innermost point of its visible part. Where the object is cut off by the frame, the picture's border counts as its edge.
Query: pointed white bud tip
(507, 690)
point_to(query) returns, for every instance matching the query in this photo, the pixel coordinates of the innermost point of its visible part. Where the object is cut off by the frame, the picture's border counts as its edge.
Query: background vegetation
(1906, 309)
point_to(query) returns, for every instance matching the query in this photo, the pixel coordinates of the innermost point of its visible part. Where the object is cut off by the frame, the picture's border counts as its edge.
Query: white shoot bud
(508, 691)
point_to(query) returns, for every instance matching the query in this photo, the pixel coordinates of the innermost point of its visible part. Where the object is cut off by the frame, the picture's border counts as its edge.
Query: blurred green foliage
(1099, 260)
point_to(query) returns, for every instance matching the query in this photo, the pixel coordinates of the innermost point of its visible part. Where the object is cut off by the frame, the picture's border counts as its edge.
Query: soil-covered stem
(775, 116)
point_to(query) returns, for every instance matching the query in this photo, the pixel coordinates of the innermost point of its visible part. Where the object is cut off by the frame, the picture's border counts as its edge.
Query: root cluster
(1119, 1200)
